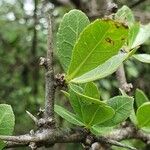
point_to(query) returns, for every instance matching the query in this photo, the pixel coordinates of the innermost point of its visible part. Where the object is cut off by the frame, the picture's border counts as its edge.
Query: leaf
(123, 105)
(7, 121)
(91, 111)
(133, 117)
(70, 117)
(98, 42)
(107, 68)
(69, 30)
(91, 90)
(77, 99)
(133, 32)
(125, 14)
(142, 36)
(95, 114)
(145, 58)
(143, 114)
(140, 97)
(99, 130)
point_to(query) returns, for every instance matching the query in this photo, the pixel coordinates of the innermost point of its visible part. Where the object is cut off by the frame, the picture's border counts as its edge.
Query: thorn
(42, 61)
(32, 132)
(32, 117)
(33, 145)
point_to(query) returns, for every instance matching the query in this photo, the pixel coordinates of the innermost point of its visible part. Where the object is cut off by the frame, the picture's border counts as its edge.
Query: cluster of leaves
(93, 113)
(90, 51)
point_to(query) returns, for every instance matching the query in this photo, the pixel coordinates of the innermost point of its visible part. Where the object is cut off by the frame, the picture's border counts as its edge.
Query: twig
(113, 142)
(49, 77)
(122, 79)
(48, 136)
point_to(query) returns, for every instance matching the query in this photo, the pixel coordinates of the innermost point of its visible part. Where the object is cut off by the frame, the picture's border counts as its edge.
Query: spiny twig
(49, 77)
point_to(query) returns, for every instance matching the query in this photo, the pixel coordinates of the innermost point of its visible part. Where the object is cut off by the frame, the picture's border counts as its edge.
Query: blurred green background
(23, 40)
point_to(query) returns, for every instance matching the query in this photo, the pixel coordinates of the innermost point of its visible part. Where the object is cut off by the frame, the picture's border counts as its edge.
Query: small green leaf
(7, 121)
(143, 114)
(123, 105)
(98, 42)
(71, 26)
(97, 110)
(107, 68)
(95, 114)
(133, 117)
(70, 117)
(91, 90)
(140, 97)
(77, 99)
(133, 32)
(145, 58)
(125, 14)
(142, 36)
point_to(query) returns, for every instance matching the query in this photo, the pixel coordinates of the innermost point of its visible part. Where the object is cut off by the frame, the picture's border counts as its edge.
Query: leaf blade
(100, 72)
(93, 49)
(142, 36)
(71, 26)
(7, 121)
(143, 114)
(125, 14)
(140, 97)
(123, 106)
(91, 90)
(145, 58)
(70, 117)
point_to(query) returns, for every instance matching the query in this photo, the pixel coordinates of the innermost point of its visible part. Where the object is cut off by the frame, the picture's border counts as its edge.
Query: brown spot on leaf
(109, 40)
(122, 38)
(117, 25)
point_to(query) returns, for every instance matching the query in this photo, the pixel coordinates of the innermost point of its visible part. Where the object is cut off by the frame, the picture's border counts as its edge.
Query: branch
(49, 77)
(50, 137)
(120, 73)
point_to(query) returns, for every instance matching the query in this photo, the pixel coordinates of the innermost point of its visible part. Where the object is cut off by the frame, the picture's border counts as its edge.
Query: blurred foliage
(23, 38)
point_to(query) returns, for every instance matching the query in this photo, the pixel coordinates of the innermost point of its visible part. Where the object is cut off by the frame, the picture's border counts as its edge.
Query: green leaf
(140, 97)
(133, 117)
(95, 114)
(77, 99)
(7, 121)
(142, 36)
(98, 42)
(125, 14)
(145, 58)
(107, 68)
(97, 110)
(123, 105)
(99, 130)
(133, 32)
(91, 90)
(143, 114)
(70, 117)
(69, 30)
